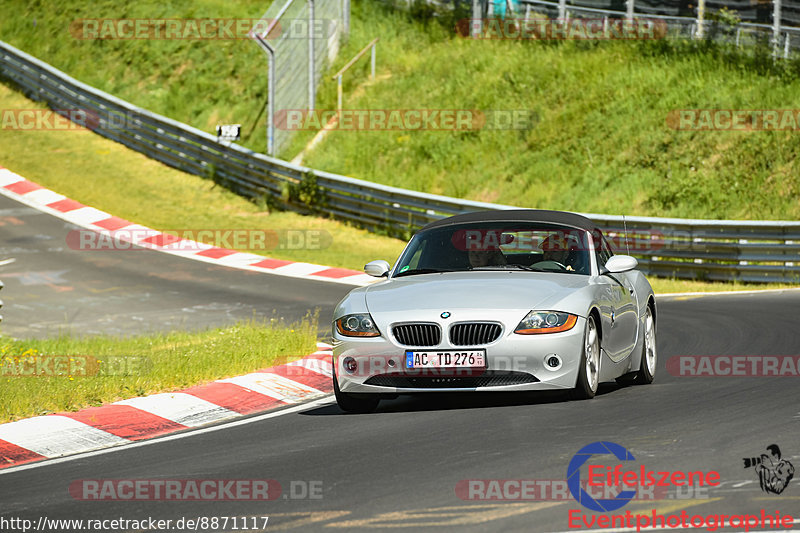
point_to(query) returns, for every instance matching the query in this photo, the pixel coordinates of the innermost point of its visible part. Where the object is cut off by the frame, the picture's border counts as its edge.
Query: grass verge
(671, 286)
(136, 366)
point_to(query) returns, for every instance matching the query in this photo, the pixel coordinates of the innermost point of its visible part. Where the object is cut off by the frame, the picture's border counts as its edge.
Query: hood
(470, 290)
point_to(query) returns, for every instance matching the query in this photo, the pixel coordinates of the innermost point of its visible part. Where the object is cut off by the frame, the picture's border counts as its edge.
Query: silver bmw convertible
(515, 300)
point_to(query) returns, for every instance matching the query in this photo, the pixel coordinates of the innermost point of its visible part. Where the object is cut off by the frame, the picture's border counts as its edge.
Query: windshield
(497, 246)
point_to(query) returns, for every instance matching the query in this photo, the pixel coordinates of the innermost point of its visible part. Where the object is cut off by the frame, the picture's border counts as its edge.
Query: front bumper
(514, 363)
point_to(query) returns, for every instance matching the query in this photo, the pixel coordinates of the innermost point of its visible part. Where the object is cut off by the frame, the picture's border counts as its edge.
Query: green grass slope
(601, 145)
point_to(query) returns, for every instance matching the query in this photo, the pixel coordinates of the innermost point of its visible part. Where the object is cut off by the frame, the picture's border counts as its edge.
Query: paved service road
(50, 287)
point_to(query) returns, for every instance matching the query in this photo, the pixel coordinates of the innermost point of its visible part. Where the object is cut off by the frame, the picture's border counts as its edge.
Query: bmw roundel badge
(446, 314)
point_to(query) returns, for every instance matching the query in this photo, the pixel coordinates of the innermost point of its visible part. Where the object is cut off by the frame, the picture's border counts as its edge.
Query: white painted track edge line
(326, 400)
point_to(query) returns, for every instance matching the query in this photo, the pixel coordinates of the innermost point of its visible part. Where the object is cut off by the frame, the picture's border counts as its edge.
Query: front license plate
(462, 359)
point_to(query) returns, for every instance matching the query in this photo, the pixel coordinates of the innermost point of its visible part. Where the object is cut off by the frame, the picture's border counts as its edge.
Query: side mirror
(378, 269)
(620, 263)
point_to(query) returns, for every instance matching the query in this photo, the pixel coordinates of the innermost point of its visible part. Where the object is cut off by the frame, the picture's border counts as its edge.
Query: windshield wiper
(506, 267)
(420, 271)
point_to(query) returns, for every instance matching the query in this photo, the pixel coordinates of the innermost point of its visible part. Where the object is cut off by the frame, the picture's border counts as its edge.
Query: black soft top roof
(518, 215)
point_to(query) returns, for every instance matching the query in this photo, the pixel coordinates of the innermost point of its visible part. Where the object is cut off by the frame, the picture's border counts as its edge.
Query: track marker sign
(229, 132)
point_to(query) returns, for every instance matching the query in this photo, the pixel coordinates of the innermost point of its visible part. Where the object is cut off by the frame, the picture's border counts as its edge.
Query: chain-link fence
(771, 23)
(676, 26)
(300, 38)
(719, 21)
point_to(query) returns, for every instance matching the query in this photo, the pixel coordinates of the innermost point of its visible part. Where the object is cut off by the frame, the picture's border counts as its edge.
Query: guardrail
(699, 249)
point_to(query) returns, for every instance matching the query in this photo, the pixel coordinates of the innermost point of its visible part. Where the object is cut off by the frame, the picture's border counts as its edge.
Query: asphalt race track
(50, 287)
(397, 469)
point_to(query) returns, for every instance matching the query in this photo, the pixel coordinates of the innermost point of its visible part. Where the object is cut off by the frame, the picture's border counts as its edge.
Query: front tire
(589, 370)
(647, 368)
(647, 365)
(351, 403)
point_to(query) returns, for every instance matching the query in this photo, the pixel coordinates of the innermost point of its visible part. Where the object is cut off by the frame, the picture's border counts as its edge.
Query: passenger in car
(483, 258)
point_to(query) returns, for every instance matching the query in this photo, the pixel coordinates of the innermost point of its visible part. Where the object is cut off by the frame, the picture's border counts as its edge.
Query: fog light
(552, 361)
(350, 365)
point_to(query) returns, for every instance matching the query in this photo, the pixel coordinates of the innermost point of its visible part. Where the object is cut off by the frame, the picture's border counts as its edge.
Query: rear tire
(589, 370)
(647, 365)
(353, 403)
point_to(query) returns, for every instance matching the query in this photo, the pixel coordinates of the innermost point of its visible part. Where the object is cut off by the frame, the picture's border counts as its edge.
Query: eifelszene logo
(774, 473)
(616, 478)
(574, 476)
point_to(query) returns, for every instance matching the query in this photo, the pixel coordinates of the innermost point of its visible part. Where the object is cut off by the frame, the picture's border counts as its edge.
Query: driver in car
(557, 248)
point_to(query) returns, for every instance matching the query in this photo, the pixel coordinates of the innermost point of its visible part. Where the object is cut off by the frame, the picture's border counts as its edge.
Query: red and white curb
(34, 195)
(135, 419)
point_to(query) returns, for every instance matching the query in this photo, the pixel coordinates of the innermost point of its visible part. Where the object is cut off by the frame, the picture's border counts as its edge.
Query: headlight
(546, 322)
(360, 325)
